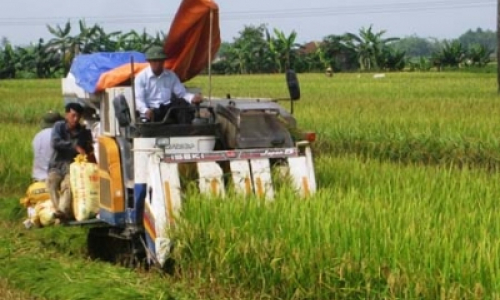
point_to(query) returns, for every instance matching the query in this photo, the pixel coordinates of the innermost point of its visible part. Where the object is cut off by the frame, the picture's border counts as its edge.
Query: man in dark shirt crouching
(69, 138)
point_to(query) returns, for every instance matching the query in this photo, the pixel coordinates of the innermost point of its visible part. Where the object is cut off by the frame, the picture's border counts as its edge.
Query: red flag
(189, 39)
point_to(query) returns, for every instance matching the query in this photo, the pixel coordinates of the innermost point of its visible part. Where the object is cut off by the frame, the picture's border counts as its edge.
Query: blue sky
(23, 21)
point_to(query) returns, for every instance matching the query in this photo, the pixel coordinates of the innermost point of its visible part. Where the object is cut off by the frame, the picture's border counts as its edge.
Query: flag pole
(210, 58)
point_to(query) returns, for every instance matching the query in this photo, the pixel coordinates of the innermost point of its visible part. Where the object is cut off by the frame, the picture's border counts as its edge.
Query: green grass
(8, 293)
(52, 263)
(23, 101)
(16, 156)
(407, 208)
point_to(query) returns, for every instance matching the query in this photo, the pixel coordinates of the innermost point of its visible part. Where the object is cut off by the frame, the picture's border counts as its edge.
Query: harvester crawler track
(105, 244)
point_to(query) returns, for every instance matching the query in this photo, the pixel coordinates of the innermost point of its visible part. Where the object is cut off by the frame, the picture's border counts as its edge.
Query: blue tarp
(88, 68)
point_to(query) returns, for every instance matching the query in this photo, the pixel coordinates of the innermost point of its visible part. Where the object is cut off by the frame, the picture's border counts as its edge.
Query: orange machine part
(112, 192)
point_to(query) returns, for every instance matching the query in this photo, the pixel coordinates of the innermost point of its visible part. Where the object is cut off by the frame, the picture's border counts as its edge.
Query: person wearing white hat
(42, 150)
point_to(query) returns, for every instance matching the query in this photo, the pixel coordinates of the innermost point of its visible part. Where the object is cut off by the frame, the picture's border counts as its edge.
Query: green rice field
(408, 175)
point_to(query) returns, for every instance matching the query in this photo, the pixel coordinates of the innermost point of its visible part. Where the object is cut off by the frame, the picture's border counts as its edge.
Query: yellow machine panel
(112, 192)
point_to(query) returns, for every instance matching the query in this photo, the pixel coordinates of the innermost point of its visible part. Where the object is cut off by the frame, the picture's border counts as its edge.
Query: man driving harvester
(157, 90)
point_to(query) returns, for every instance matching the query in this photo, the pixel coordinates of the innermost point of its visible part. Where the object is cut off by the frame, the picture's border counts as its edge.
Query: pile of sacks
(39, 206)
(85, 190)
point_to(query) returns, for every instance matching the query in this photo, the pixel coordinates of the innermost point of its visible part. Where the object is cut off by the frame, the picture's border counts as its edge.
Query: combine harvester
(231, 142)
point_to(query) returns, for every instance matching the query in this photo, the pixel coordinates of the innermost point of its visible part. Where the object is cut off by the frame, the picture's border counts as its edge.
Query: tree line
(258, 49)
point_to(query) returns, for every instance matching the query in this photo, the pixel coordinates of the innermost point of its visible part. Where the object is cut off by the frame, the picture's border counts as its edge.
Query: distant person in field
(69, 138)
(329, 72)
(42, 150)
(158, 89)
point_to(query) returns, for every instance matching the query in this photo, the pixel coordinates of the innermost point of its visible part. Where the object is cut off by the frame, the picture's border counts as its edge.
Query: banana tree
(336, 53)
(34, 61)
(137, 41)
(273, 52)
(159, 38)
(87, 40)
(329, 49)
(102, 41)
(479, 55)
(283, 48)
(309, 61)
(392, 59)
(46, 61)
(62, 43)
(239, 56)
(368, 47)
(7, 62)
(251, 50)
(451, 54)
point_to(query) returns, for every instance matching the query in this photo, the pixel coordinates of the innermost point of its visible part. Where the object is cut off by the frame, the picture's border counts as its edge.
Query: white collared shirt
(151, 91)
(42, 152)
